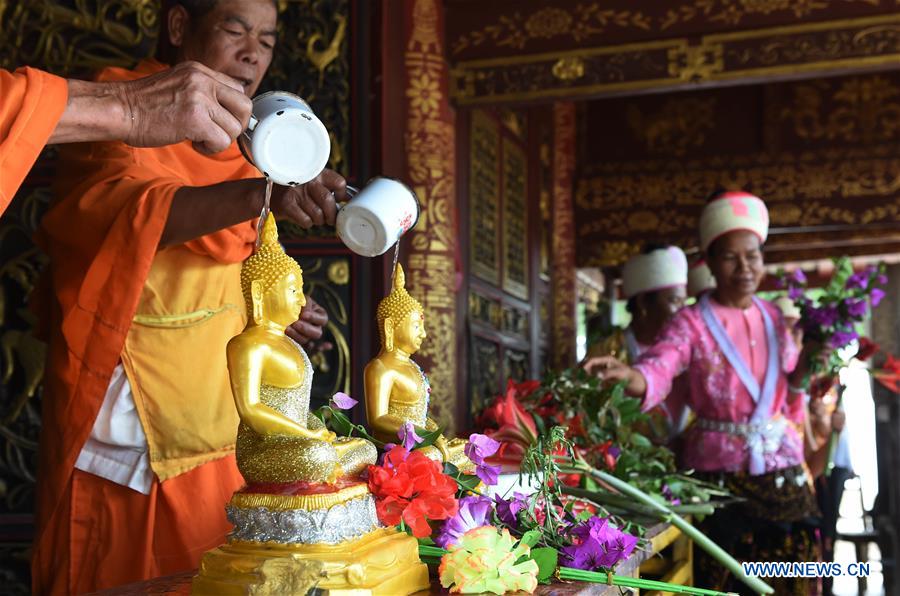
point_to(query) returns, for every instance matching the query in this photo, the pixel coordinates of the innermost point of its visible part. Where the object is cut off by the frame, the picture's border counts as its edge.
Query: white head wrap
(732, 211)
(700, 278)
(656, 270)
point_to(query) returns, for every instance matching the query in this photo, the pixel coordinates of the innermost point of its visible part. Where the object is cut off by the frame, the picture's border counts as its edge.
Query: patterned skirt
(776, 521)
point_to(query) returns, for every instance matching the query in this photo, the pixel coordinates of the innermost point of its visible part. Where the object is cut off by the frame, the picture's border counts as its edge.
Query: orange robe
(102, 238)
(31, 104)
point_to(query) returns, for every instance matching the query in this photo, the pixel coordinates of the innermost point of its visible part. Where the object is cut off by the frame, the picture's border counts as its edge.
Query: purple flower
(480, 447)
(474, 512)
(477, 449)
(842, 338)
(824, 316)
(794, 292)
(597, 544)
(882, 279)
(620, 547)
(487, 473)
(596, 528)
(342, 401)
(856, 308)
(798, 277)
(508, 509)
(857, 280)
(876, 296)
(587, 555)
(408, 437)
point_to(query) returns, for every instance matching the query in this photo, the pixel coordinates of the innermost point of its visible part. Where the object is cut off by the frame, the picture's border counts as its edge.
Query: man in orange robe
(38, 108)
(136, 459)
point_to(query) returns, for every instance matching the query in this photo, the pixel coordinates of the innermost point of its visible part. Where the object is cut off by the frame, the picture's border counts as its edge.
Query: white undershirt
(117, 448)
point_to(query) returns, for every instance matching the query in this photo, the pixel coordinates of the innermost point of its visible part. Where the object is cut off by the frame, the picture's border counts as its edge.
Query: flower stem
(600, 577)
(696, 535)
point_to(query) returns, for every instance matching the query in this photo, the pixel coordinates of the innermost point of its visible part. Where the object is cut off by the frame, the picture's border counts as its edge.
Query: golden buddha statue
(279, 439)
(397, 390)
(305, 518)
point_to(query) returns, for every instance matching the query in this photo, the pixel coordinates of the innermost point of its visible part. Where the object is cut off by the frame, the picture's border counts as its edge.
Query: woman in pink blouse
(744, 378)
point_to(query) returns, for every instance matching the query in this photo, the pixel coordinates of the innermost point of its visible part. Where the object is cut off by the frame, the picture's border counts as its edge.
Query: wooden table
(674, 564)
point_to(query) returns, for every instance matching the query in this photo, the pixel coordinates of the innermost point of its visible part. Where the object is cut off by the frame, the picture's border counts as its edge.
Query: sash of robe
(763, 396)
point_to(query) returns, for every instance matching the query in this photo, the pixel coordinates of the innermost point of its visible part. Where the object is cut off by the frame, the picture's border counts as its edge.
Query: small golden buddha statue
(397, 390)
(305, 518)
(279, 439)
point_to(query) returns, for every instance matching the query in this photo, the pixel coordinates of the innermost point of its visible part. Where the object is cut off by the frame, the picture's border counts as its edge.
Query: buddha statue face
(401, 318)
(409, 332)
(283, 302)
(272, 282)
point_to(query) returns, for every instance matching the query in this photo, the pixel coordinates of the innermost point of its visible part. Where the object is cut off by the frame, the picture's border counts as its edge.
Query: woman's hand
(608, 368)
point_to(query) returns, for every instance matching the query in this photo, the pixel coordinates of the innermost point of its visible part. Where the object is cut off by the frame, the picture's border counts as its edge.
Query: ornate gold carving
(289, 502)
(568, 69)
(733, 12)
(681, 124)
(515, 220)
(484, 192)
(584, 21)
(339, 272)
(783, 52)
(431, 264)
(696, 63)
(863, 110)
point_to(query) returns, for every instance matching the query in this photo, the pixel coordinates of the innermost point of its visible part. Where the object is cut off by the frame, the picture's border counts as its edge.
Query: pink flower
(342, 401)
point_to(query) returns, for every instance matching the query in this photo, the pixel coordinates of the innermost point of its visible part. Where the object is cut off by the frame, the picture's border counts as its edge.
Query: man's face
(236, 37)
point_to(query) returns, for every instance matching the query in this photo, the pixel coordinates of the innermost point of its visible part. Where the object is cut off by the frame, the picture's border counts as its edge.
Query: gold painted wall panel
(484, 197)
(515, 220)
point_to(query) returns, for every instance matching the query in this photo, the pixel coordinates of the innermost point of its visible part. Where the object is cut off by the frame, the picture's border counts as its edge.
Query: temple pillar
(563, 238)
(416, 115)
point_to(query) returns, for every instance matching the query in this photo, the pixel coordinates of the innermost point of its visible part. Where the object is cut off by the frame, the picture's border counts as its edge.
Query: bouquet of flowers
(831, 321)
(607, 430)
(494, 544)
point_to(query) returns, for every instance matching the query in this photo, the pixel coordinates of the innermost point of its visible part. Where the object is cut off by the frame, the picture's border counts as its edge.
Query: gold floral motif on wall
(429, 140)
(860, 110)
(579, 23)
(732, 12)
(681, 124)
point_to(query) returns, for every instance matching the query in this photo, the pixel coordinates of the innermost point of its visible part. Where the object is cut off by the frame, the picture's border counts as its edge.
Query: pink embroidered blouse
(715, 392)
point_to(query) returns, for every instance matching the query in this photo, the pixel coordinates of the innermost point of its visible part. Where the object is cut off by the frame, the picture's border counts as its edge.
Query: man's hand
(308, 329)
(188, 101)
(313, 203)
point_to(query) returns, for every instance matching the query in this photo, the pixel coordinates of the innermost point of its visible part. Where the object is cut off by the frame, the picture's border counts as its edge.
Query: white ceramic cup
(285, 140)
(375, 218)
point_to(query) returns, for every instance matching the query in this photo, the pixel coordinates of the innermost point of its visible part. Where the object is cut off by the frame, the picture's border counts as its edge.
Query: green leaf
(468, 482)
(320, 413)
(639, 440)
(340, 424)
(547, 559)
(451, 469)
(531, 537)
(428, 436)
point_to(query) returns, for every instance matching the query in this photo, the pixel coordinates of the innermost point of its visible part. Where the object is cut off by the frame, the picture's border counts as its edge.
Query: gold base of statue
(383, 562)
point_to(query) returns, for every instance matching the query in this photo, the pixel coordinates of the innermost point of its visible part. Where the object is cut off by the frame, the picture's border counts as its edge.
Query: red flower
(889, 374)
(515, 427)
(411, 487)
(867, 349)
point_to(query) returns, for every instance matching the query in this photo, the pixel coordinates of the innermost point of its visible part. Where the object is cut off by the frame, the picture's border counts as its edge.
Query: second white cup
(375, 218)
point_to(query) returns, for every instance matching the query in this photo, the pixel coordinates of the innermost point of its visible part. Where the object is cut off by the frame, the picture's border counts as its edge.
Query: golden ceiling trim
(673, 63)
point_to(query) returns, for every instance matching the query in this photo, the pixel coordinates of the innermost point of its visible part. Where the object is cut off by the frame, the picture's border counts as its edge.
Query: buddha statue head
(272, 282)
(401, 318)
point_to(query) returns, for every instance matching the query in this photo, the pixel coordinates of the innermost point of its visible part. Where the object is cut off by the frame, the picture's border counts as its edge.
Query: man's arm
(187, 102)
(200, 210)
